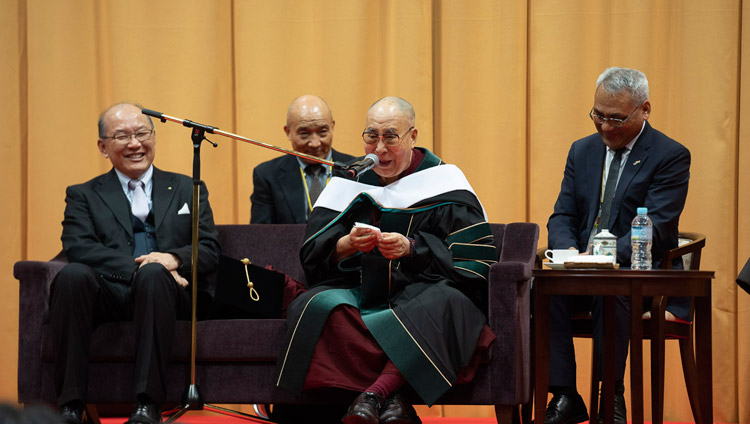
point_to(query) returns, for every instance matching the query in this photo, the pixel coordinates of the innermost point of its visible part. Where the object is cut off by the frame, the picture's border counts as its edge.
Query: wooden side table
(635, 284)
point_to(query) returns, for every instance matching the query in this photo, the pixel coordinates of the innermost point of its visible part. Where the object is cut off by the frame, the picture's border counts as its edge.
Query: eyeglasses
(390, 139)
(140, 135)
(615, 122)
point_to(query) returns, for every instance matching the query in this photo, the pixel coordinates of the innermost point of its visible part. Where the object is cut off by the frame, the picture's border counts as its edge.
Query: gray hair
(103, 128)
(615, 80)
(402, 105)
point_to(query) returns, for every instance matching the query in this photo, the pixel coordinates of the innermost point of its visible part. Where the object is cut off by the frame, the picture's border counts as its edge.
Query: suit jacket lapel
(289, 182)
(110, 191)
(636, 160)
(162, 195)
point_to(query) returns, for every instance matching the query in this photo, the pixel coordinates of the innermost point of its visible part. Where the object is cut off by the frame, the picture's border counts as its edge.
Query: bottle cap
(642, 211)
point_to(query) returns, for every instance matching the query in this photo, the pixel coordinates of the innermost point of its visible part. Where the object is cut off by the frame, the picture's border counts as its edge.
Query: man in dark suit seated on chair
(127, 235)
(285, 188)
(608, 175)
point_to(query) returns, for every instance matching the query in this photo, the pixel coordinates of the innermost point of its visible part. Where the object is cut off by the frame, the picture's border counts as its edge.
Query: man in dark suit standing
(127, 237)
(285, 188)
(638, 166)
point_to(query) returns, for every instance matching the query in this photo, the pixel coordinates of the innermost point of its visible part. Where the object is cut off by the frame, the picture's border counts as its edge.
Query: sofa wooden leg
(504, 414)
(92, 414)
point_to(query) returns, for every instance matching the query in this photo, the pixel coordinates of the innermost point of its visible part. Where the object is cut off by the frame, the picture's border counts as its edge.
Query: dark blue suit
(278, 194)
(102, 282)
(655, 175)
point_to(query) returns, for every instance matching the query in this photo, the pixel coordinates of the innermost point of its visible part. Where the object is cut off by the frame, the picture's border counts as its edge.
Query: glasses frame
(395, 143)
(131, 136)
(615, 122)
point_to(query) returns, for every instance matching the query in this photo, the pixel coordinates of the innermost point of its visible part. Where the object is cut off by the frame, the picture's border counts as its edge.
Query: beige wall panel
(705, 120)
(176, 58)
(743, 227)
(561, 92)
(349, 52)
(73, 52)
(667, 41)
(480, 90)
(12, 212)
(62, 110)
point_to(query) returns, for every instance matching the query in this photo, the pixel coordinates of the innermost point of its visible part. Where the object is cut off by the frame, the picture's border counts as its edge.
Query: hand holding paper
(364, 237)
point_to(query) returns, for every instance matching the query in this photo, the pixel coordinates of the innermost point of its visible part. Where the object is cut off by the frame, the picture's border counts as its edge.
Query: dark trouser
(81, 300)
(562, 352)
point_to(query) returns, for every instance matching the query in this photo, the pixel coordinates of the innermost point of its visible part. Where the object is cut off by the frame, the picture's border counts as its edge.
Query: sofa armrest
(520, 242)
(35, 279)
(509, 313)
(509, 318)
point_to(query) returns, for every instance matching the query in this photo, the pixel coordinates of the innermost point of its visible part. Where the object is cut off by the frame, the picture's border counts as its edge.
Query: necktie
(139, 204)
(610, 188)
(315, 188)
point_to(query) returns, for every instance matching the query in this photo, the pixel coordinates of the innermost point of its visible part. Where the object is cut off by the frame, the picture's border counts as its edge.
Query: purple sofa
(236, 358)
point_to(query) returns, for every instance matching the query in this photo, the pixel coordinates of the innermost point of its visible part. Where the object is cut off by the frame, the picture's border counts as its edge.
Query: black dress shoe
(364, 410)
(563, 409)
(396, 411)
(145, 413)
(621, 412)
(71, 413)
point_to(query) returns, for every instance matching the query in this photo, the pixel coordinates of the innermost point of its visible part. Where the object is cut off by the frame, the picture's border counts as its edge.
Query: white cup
(559, 256)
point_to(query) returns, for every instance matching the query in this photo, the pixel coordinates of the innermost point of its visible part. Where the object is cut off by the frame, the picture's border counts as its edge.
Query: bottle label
(638, 232)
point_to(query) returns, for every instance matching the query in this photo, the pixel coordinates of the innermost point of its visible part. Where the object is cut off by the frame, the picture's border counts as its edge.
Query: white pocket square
(184, 210)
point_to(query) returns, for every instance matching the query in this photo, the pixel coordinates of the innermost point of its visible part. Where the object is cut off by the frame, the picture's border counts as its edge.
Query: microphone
(357, 168)
(155, 114)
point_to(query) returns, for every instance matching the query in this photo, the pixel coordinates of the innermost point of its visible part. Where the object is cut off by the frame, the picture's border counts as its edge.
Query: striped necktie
(316, 187)
(610, 188)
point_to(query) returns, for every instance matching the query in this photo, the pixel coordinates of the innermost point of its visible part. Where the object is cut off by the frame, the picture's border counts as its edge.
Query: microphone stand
(191, 397)
(215, 130)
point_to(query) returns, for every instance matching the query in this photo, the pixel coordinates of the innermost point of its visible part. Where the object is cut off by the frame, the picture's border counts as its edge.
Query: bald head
(395, 107)
(392, 116)
(308, 106)
(118, 107)
(309, 126)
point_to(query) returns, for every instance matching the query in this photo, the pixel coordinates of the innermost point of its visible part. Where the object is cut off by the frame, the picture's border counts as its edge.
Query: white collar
(400, 194)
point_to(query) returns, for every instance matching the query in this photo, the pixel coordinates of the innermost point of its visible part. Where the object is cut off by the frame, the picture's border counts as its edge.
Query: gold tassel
(253, 293)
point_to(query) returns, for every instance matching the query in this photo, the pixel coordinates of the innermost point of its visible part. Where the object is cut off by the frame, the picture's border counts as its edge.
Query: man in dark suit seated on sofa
(285, 188)
(127, 237)
(625, 165)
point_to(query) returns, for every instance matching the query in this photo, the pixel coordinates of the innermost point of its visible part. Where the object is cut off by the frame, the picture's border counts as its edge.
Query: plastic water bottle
(641, 234)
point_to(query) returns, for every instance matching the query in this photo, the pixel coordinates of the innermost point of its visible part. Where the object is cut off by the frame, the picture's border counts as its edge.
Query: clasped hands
(171, 263)
(391, 245)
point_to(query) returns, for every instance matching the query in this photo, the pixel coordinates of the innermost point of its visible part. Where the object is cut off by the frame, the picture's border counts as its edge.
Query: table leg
(636, 352)
(607, 404)
(541, 356)
(703, 355)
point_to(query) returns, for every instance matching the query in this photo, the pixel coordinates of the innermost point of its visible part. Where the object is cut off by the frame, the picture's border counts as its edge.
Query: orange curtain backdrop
(694, 96)
(480, 99)
(743, 225)
(12, 211)
(501, 88)
(351, 53)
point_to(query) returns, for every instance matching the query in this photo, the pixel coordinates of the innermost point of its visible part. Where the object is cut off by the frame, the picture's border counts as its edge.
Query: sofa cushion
(217, 340)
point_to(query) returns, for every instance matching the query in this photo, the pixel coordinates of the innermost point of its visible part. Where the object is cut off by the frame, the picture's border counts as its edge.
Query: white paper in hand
(375, 230)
